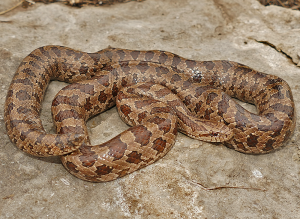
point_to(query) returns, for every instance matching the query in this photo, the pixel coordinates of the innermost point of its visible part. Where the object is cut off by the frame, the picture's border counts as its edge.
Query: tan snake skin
(141, 79)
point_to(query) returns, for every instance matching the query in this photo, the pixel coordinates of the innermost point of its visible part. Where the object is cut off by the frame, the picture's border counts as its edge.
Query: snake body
(191, 96)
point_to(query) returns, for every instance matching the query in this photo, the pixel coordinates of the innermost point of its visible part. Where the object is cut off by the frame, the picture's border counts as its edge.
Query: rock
(264, 38)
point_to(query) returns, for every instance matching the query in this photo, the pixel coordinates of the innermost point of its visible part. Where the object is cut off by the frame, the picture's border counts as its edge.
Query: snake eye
(214, 134)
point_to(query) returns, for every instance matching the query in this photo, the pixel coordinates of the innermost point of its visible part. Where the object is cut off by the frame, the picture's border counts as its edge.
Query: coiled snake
(156, 92)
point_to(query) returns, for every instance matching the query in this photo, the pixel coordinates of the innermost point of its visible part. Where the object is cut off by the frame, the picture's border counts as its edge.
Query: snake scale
(157, 93)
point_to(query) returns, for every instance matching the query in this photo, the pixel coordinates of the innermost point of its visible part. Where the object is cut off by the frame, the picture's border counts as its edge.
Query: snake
(158, 93)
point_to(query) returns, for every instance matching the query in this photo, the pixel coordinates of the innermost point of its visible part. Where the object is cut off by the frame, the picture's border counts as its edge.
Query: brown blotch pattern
(88, 157)
(114, 69)
(116, 147)
(142, 135)
(134, 157)
(159, 145)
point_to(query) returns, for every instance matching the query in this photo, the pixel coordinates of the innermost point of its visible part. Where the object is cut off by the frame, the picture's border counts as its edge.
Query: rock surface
(264, 38)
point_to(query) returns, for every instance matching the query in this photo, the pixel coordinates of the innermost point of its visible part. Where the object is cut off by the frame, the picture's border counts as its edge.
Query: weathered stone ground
(264, 38)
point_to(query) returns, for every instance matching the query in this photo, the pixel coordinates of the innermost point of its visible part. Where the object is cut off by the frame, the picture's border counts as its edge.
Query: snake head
(211, 131)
